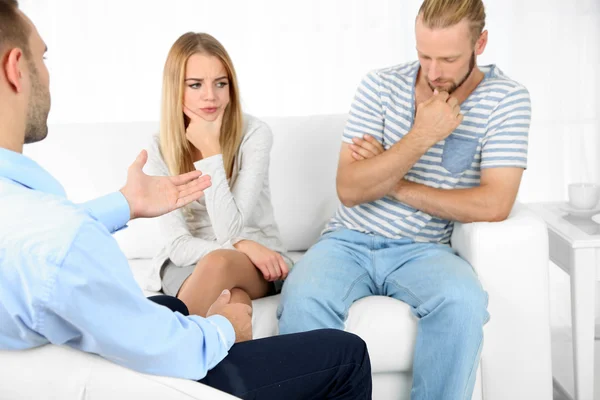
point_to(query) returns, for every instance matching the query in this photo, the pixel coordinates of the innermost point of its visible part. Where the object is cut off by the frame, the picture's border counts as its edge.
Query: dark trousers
(321, 364)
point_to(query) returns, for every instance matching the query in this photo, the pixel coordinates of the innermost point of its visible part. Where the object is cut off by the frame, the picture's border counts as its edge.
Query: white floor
(562, 364)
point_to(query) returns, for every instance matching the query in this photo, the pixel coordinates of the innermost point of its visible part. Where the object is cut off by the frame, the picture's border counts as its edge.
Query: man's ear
(13, 68)
(481, 43)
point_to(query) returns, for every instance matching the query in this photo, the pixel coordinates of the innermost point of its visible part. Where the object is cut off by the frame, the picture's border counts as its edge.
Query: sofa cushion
(385, 324)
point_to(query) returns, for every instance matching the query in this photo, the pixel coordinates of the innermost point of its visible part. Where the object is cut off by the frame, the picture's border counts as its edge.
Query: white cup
(584, 196)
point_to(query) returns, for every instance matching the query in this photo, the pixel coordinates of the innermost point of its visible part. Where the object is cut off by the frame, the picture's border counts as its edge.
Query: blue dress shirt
(64, 280)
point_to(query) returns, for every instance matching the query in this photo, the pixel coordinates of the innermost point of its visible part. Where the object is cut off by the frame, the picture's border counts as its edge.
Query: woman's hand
(269, 262)
(203, 134)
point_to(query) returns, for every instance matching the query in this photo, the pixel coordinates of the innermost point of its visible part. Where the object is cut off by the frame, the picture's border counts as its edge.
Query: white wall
(306, 57)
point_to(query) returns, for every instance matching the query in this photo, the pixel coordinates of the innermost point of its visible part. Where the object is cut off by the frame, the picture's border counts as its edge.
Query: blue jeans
(441, 288)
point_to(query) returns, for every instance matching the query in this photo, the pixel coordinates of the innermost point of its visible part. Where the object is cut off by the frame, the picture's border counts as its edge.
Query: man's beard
(463, 80)
(36, 128)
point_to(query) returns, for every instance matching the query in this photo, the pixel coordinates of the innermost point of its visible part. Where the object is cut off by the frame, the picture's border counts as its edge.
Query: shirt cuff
(111, 210)
(225, 329)
(210, 164)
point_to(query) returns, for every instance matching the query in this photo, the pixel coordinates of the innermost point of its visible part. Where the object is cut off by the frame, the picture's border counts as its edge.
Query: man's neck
(12, 146)
(12, 136)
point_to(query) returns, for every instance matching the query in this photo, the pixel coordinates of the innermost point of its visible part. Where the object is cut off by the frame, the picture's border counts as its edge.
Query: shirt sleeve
(96, 306)
(230, 207)
(111, 210)
(366, 115)
(183, 248)
(506, 142)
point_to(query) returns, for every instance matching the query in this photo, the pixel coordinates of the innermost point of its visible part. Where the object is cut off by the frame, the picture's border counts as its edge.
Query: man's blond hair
(445, 13)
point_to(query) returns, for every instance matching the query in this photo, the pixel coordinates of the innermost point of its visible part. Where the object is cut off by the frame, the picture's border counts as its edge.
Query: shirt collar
(26, 172)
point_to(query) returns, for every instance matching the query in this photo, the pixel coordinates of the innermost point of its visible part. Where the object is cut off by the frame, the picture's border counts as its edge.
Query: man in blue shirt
(64, 280)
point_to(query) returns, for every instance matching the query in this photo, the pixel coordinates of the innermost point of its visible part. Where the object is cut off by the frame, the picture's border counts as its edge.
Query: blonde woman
(229, 238)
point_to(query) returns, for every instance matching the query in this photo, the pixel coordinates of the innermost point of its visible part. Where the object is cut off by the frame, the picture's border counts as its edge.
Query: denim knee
(468, 302)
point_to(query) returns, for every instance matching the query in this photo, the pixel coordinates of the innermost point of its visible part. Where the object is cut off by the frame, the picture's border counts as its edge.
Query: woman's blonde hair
(445, 13)
(176, 150)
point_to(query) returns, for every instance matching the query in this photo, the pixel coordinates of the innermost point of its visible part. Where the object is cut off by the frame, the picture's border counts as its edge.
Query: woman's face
(206, 86)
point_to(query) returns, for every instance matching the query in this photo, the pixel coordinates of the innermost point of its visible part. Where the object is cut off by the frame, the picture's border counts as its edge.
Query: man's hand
(365, 148)
(269, 262)
(437, 118)
(203, 134)
(369, 147)
(240, 315)
(152, 196)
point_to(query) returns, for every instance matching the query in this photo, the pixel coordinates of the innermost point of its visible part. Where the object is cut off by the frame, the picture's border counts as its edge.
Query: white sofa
(510, 257)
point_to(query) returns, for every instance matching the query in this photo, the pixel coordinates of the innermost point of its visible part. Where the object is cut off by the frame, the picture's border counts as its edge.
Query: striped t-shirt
(493, 134)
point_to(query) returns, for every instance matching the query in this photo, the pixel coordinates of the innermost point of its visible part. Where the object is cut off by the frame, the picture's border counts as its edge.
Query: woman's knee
(214, 265)
(217, 257)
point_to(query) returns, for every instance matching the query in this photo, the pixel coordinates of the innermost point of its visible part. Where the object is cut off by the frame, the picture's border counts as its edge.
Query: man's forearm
(461, 205)
(373, 178)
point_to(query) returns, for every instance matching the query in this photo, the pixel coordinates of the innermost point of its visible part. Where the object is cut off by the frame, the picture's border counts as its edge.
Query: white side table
(574, 245)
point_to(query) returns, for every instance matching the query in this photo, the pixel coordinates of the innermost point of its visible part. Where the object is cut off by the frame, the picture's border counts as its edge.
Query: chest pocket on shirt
(458, 153)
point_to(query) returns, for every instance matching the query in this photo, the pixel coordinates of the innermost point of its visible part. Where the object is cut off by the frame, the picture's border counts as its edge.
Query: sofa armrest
(511, 259)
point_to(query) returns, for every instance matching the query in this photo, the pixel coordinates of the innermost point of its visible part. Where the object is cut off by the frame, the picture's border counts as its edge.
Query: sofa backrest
(302, 175)
(92, 159)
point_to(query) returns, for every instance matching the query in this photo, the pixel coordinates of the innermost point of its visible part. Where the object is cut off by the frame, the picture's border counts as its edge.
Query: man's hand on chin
(153, 196)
